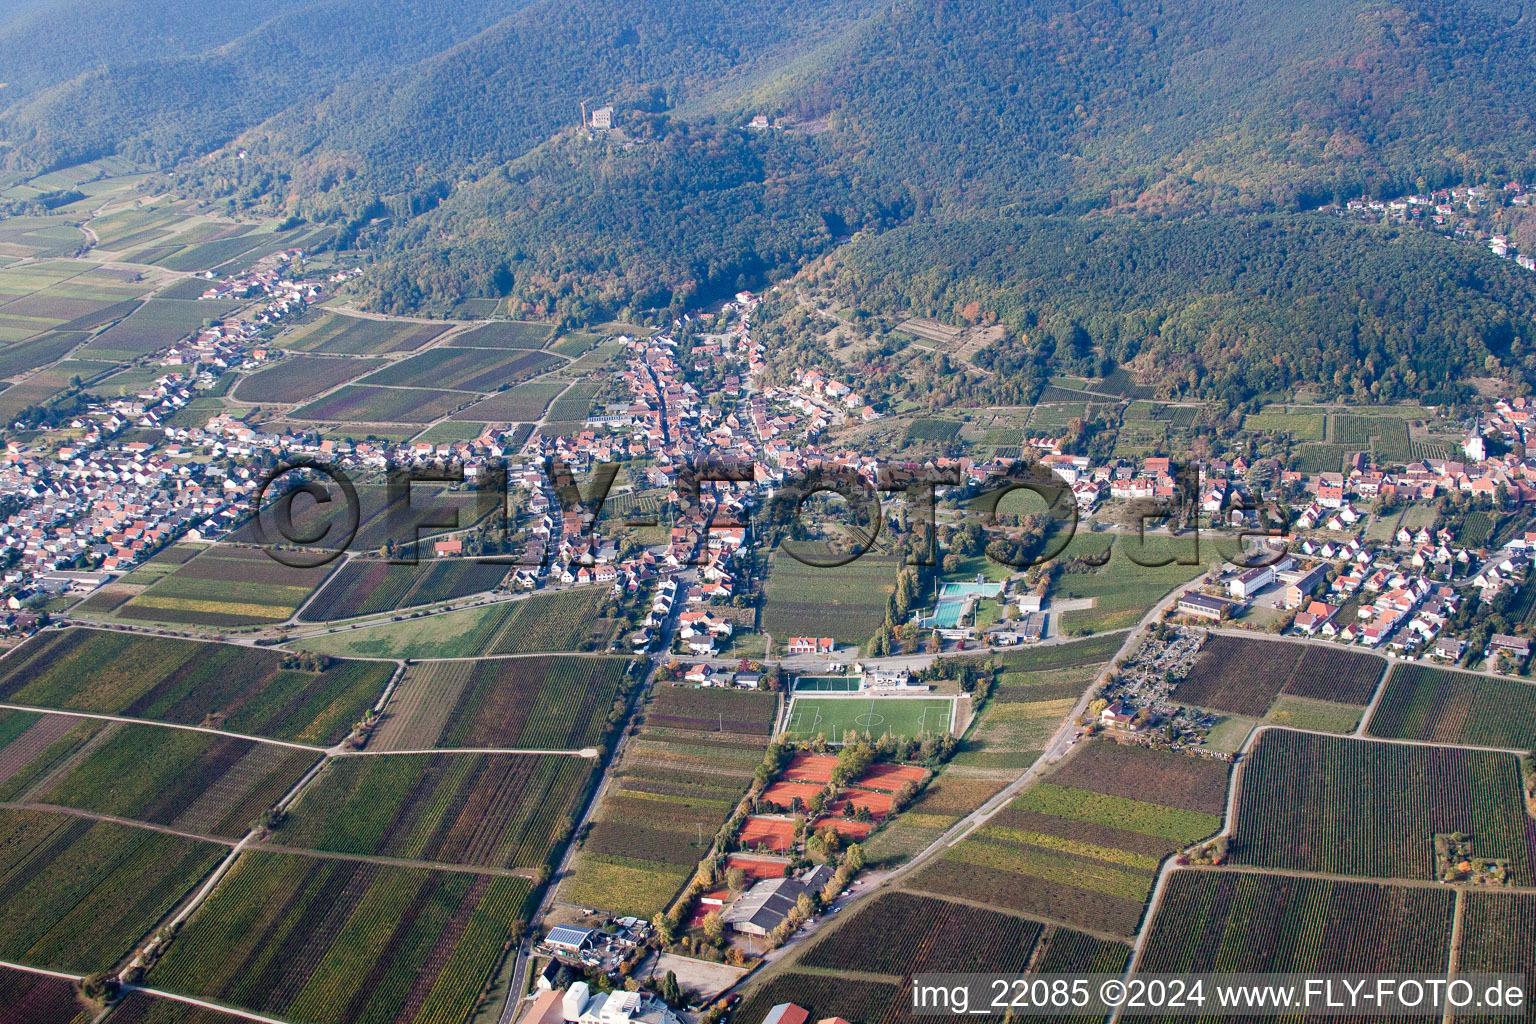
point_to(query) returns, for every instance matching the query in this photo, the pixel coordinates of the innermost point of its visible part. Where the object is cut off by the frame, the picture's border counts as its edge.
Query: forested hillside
(160, 83)
(1215, 306)
(445, 141)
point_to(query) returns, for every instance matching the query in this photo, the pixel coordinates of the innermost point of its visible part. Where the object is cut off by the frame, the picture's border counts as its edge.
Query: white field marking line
(163, 725)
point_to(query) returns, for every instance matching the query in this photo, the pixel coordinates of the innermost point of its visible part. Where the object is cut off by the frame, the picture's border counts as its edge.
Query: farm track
(588, 752)
(164, 725)
(393, 862)
(75, 812)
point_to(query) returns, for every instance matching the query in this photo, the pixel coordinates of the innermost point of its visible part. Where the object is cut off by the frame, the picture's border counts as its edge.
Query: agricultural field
(1354, 807)
(574, 405)
(826, 995)
(29, 998)
(1444, 706)
(1301, 425)
(80, 894)
(300, 378)
(847, 602)
(523, 403)
(940, 431)
(565, 620)
(1322, 716)
(337, 334)
(887, 1000)
(356, 403)
(486, 810)
(451, 432)
(241, 689)
(463, 369)
(139, 1007)
(1245, 677)
(1226, 921)
(374, 526)
(554, 703)
(190, 781)
(1386, 436)
(941, 805)
(38, 236)
(225, 586)
(506, 334)
(1092, 651)
(901, 933)
(680, 779)
(1074, 849)
(1495, 934)
(318, 941)
(1122, 591)
(156, 324)
(1026, 709)
(37, 351)
(365, 587)
(835, 717)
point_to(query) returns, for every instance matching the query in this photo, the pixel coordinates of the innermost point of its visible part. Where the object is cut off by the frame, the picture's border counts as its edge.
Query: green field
(1123, 590)
(79, 894)
(226, 586)
(681, 777)
(336, 334)
(1025, 711)
(301, 378)
(1084, 846)
(1302, 426)
(834, 717)
(562, 621)
(318, 941)
(827, 684)
(846, 602)
(506, 334)
(463, 369)
(191, 781)
(189, 682)
(522, 403)
(488, 810)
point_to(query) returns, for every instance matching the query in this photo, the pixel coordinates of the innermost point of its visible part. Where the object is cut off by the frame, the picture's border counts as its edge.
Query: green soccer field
(899, 716)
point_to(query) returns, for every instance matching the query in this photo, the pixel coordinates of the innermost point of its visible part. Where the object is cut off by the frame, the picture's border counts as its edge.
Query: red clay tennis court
(776, 834)
(879, 804)
(784, 793)
(890, 777)
(756, 867)
(844, 827)
(811, 768)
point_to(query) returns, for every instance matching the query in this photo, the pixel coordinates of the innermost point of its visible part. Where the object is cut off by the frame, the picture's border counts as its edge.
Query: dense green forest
(1215, 306)
(157, 83)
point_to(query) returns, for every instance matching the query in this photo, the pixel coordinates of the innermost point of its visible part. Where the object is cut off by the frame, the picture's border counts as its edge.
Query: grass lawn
(1229, 734)
(833, 716)
(1322, 715)
(1122, 590)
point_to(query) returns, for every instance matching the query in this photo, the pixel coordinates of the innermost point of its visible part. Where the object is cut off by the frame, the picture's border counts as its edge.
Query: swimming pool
(946, 615)
(967, 589)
